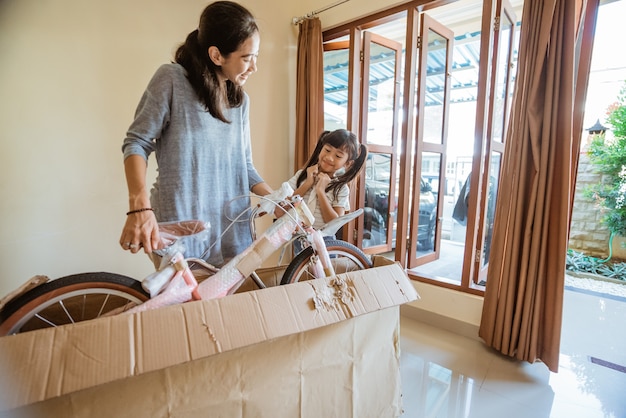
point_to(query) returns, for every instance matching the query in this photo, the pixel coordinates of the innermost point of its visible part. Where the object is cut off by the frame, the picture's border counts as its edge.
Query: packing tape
(261, 250)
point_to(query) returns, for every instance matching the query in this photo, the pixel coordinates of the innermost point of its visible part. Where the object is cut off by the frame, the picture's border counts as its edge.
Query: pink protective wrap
(177, 291)
(320, 248)
(316, 267)
(229, 278)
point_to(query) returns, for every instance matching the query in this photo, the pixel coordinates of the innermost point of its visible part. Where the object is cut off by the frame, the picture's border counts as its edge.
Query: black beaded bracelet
(138, 210)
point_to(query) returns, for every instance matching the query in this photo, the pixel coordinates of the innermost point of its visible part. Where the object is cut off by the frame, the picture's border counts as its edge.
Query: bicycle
(86, 296)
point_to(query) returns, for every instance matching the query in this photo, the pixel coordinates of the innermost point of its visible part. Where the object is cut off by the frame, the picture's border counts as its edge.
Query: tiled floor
(446, 375)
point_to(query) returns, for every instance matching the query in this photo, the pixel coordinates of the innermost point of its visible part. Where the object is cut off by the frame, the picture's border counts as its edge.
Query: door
(499, 109)
(435, 46)
(379, 129)
(339, 71)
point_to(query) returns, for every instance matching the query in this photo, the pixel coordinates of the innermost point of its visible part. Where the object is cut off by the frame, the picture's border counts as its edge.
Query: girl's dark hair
(347, 142)
(225, 25)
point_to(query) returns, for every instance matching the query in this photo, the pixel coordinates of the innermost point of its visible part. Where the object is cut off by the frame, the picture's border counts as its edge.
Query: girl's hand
(141, 230)
(311, 175)
(323, 180)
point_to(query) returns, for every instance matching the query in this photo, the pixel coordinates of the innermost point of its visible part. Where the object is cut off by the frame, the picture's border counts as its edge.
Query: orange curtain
(523, 302)
(309, 90)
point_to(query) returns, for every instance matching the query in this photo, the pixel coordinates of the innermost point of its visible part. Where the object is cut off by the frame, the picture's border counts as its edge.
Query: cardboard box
(321, 348)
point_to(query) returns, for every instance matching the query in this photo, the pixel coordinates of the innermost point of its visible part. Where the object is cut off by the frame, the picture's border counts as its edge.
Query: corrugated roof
(464, 75)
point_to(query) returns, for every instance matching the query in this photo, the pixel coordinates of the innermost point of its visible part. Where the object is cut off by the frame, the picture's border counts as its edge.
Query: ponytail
(201, 75)
(313, 159)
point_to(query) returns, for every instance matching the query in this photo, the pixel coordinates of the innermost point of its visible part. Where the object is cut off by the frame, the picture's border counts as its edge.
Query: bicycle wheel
(70, 299)
(345, 257)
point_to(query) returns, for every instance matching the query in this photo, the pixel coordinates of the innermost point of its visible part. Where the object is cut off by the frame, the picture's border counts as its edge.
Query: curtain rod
(297, 20)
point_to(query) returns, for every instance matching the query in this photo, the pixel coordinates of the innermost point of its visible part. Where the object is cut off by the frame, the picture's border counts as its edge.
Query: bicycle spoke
(66, 311)
(83, 306)
(102, 307)
(45, 320)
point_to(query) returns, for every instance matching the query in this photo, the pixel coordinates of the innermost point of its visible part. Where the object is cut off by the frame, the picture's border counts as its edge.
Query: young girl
(323, 183)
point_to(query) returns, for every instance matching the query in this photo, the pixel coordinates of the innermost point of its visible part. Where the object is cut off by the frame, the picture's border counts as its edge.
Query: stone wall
(588, 234)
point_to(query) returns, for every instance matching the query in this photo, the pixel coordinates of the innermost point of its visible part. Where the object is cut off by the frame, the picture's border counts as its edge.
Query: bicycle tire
(70, 299)
(344, 256)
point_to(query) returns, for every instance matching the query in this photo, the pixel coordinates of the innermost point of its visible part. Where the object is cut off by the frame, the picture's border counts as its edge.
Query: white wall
(446, 308)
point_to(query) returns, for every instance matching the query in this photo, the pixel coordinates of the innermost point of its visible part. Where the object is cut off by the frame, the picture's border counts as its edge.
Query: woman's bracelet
(138, 210)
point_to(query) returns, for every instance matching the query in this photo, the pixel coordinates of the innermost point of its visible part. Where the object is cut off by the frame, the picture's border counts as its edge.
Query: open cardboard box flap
(52, 362)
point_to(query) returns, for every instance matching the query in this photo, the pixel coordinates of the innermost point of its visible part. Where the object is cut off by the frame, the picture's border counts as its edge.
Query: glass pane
(502, 75)
(335, 89)
(377, 199)
(435, 88)
(492, 193)
(382, 85)
(429, 186)
(449, 265)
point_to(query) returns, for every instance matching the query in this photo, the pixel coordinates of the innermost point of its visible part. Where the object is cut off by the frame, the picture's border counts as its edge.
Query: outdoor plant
(580, 263)
(609, 158)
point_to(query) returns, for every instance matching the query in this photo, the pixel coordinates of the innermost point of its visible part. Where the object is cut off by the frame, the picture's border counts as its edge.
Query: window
(411, 84)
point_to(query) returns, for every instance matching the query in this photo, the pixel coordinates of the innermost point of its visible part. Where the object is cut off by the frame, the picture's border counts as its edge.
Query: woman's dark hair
(225, 25)
(345, 141)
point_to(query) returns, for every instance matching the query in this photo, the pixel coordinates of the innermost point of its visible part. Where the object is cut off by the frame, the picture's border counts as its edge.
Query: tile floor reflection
(447, 375)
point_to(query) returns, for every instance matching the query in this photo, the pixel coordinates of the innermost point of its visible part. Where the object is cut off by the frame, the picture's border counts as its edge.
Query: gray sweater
(202, 162)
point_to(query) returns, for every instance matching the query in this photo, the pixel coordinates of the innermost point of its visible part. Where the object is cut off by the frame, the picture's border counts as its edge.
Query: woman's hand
(141, 230)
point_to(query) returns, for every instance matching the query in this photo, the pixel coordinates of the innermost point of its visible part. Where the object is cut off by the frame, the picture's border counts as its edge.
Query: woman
(194, 117)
